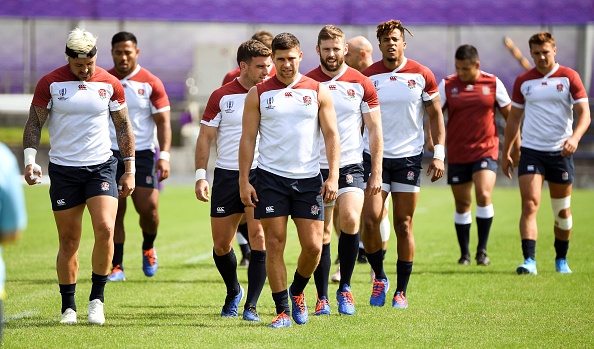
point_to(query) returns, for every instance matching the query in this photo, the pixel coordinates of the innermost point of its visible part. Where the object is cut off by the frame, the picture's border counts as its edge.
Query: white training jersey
(79, 114)
(224, 111)
(145, 96)
(289, 127)
(401, 94)
(548, 102)
(352, 94)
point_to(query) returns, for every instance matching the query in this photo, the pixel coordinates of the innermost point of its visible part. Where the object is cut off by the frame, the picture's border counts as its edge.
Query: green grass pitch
(450, 306)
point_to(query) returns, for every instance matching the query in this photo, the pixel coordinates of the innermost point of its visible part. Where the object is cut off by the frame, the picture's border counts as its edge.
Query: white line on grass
(28, 313)
(199, 258)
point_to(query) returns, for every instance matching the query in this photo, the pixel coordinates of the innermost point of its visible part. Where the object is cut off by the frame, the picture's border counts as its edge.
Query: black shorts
(462, 173)
(405, 170)
(72, 186)
(145, 168)
(349, 177)
(552, 165)
(225, 199)
(280, 196)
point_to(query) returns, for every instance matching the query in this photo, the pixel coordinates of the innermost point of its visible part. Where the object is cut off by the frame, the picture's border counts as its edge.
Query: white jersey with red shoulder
(548, 102)
(79, 114)
(401, 94)
(471, 128)
(352, 94)
(289, 127)
(145, 96)
(224, 111)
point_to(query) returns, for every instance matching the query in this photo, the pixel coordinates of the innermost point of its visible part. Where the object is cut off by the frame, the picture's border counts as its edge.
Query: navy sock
(256, 277)
(403, 271)
(118, 255)
(298, 285)
(322, 272)
(97, 286)
(148, 240)
(348, 247)
(529, 248)
(376, 260)
(67, 292)
(561, 248)
(463, 233)
(281, 301)
(227, 266)
(483, 226)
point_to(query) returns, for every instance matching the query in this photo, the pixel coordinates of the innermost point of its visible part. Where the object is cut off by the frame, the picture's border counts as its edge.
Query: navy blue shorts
(462, 173)
(72, 186)
(145, 168)
(552, 165)
(405, 170)
(350, 176)
(280, 196)
(225, 199)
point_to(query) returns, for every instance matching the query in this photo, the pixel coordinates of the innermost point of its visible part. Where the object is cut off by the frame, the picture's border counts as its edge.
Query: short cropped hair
(330, 32)
(385, 28)
(264, 37)
(540, 39)
(467, 52)
(251, 49)
(81, 41)
(285, 41)
(123, 36)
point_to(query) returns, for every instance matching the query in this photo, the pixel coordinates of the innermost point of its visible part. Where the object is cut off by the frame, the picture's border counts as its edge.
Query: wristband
(130, 167)
(200, 174)
(164, 155)
(131, 172)
(30, 156)
(129, 158)
(439, 152)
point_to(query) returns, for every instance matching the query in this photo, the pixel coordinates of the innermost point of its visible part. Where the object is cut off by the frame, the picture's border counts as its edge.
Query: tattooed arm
(31, 138)
(125, 138)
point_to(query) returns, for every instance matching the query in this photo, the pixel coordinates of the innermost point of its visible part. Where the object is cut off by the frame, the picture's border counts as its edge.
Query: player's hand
(374, 185)
(569, 147)
(248, 195)
(126, 185)
(436, 167)
(33, 174)
(329, 190)
(202, 190)
(515, 156)
(162, 169)
(507, 165)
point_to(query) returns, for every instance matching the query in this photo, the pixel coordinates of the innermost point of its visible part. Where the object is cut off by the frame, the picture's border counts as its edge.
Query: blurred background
(191, 44)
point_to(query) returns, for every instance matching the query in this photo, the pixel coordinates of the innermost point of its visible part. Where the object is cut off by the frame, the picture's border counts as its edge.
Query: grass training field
(450, 306)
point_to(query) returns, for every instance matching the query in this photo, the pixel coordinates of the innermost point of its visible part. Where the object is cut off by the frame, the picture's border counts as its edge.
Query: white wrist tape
(164, 155)
(30, 154)
(132, 166)
(439, 152)
(200, 174)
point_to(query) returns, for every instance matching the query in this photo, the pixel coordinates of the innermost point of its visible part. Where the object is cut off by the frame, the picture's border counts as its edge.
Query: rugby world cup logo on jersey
(559, 88)
(229, 107)
(62, 93)
(486, 90)
(411, 84)
(306, 101)
(140, 92)
(269, 103)
(102, 93)
(376, 84)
